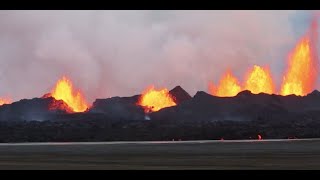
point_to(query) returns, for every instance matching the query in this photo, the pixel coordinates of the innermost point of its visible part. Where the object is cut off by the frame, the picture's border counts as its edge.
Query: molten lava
(153, 100)
(300, 77)
(301, 74)
(259, 80)
(65, 91)
(4, 101)
(228, 86)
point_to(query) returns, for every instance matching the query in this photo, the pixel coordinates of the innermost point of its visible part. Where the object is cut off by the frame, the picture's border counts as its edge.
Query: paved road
(273, 154)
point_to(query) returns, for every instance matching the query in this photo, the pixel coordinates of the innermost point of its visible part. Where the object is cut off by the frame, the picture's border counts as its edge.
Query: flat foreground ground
(274, 154)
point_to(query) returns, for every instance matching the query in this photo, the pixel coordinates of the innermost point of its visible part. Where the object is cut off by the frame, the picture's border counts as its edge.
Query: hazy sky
(119, 53)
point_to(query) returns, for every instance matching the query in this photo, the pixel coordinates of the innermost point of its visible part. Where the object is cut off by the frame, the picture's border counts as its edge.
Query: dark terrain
(194, 118)
(290, 154)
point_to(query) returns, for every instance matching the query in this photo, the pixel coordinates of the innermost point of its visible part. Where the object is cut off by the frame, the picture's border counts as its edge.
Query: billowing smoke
(109, 53)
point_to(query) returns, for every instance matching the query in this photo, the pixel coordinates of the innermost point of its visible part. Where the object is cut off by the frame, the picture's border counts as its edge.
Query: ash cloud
(119, 53)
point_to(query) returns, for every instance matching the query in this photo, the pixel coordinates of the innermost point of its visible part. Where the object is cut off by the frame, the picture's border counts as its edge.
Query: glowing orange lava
(300, 77)
(228, 86)
(259, 80)
(64, 91)
(4, 101)
(153, 100)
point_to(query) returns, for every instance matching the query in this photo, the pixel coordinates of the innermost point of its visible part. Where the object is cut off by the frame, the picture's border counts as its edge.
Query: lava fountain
(153, 100)
(259, 80)
(228, 86)
(301, 75)
(64, 91)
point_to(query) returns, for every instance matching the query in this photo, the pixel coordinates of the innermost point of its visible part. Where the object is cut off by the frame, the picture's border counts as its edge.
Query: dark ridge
(119, 108)
(36, 109)
(314, 93)
(127, 108)
(179, 95)
(201, 117)
(200, 94)
(244, 93)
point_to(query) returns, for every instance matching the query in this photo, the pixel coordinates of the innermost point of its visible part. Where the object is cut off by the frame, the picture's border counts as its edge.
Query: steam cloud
(109, 53)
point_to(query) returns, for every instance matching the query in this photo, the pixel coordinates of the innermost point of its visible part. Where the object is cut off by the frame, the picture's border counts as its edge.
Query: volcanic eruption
(299, 79)
(301, 75)
(251, 105)
(65, 91)
(153, 100)
(259, 80)
(228, 86)
(4, 101)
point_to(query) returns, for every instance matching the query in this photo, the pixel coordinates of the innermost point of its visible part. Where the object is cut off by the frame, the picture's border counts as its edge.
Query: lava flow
(228, 86)
(259, 80)
(4, 101)
(153, 100)
(64, 91)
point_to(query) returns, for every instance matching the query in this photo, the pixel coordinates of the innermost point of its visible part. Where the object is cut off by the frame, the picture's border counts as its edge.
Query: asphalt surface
(273, 154)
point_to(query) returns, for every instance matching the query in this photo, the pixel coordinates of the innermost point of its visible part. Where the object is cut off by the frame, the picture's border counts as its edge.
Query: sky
(120, 53)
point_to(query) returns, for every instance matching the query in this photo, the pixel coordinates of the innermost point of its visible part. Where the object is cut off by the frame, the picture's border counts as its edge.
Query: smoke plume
(120, 53)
